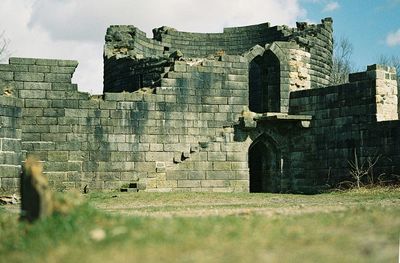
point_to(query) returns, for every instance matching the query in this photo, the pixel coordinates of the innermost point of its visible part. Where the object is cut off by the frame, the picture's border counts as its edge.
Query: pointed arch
(265, 165)
(268, 85)
(255, 51)
(264, 83)
(278, 51)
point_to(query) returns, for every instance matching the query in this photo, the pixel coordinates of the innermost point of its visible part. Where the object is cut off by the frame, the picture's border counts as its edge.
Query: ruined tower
(248, 109)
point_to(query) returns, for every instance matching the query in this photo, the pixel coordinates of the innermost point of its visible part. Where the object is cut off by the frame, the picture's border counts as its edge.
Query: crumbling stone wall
(131, 137)
(132, 61)
(175, 114)
(360, 116)
(10, 141)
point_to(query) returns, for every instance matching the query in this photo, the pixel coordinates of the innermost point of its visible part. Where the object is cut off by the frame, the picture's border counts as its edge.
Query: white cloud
(331, 6)
(72, 29)
(87, 20)
(393, 38)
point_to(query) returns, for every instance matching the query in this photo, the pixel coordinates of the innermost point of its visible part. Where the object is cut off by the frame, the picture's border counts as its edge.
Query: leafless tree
(360, 168)
(342, 65)
(393, 61)
(4, 44)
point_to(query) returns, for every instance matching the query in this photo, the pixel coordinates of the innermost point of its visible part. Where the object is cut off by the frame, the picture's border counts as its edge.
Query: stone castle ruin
(249, 109)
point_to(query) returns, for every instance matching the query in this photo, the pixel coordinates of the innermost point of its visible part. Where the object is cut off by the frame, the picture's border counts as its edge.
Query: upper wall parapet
(374, 90)
(375, 71)
(386, 98)
(129, 54)
(22, 75)
(126, 40)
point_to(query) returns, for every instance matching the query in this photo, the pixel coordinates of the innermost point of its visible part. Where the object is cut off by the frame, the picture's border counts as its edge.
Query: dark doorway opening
(264, 83)
(264, 164)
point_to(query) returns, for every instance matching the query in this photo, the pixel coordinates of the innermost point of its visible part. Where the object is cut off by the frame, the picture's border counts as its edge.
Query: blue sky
(367, 24)
(75, 29)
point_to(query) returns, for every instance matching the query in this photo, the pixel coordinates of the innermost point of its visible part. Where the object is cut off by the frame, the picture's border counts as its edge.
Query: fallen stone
(9, 200)
(177, 55)
(97, 234)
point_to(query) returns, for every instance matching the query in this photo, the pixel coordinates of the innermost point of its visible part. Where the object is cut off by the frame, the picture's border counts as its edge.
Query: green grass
(353, 226)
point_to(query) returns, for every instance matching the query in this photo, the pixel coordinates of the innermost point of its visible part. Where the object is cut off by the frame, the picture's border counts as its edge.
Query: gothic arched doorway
(264, 83)
(264, 164)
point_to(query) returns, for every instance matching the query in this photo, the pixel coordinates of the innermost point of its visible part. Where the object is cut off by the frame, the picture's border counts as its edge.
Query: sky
(75, 29)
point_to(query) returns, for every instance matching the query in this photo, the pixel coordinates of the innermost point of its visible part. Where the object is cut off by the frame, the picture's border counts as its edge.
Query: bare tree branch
(363, 167)
(393, 61)
(4, 43)
(342, 51)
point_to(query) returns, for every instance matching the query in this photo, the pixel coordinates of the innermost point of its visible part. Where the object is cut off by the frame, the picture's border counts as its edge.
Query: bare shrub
(364, 168)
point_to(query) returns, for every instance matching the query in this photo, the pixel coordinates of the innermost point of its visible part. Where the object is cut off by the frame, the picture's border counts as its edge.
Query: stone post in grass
(36, 197)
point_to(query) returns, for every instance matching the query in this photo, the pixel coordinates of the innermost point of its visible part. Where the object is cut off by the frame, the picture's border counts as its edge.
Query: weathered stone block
(22, 61)
(238, 100)
(32, 94)
(240, 166)
(222, 166)
(64, 86)
(160, 167)
(239, 78)
(11, 172)
(177, 157)
(10, 145)
(214, 183)
(180, 66)
(220, 175)
(57, 156)
(42, 69)
(169, 185)
(36, 103)
(64, 104)
(214, 100)
(47, 62)
(67, 63)
(4, 75)
(29, 76)
(145, 166)
(9, 158)
(196, 175)
(10, 183)
(177, 175)
(108, 105)
(189, 183)
(54, 113)
(63, 70)
(46, 120)
(158, 156)
(236, 156)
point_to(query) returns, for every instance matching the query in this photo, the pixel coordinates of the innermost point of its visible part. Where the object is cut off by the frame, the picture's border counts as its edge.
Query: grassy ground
(354, 226)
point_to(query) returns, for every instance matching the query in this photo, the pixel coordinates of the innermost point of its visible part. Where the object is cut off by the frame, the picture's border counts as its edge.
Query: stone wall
(359, 117)
(141, 137)
(176, 123)
(132, 61)
(10, 142)
(193, 132)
